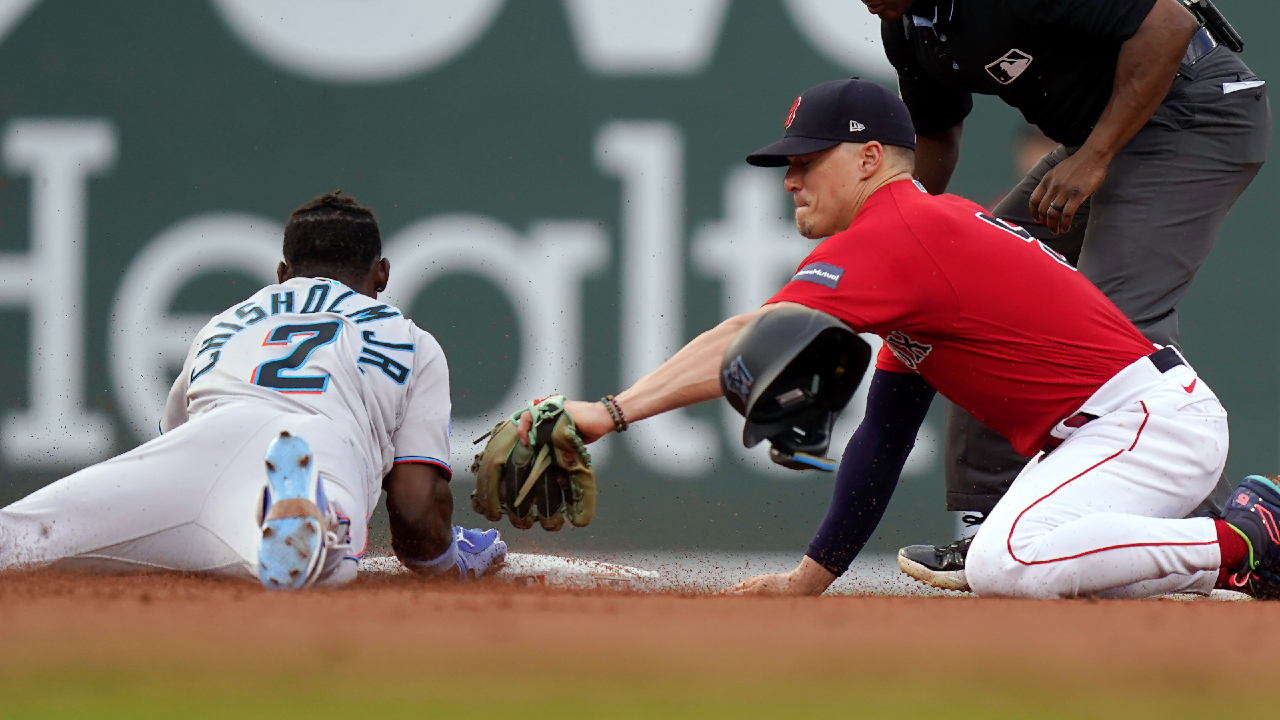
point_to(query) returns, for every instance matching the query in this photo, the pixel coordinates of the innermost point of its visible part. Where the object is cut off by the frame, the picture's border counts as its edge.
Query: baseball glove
(549, 480)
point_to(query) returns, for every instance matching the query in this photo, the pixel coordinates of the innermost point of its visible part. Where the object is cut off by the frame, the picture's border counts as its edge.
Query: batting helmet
(790, 372)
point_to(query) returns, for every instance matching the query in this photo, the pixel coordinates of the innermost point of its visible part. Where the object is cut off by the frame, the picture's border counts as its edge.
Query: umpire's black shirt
(1055, 60)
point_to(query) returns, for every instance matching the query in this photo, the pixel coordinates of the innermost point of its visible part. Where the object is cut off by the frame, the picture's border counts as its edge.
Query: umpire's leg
(1157, 215)
(1145, 233)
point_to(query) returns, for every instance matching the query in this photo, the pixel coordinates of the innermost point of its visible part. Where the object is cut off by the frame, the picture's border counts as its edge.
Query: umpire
(1161, 127)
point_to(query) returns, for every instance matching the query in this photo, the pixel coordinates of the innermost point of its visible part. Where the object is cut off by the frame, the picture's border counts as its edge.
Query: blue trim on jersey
(425, 460)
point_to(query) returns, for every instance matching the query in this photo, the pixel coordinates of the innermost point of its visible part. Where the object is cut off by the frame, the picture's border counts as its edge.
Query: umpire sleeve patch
(820, 273)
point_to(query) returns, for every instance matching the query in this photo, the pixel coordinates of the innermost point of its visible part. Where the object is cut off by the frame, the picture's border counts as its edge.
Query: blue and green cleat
(294, 527)
(1254, 511)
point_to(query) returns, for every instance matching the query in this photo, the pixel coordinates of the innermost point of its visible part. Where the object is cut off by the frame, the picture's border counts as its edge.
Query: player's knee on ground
(992, 570)
(1005, 562)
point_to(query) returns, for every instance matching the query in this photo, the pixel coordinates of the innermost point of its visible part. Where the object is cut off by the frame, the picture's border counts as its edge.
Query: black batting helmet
(790, 372)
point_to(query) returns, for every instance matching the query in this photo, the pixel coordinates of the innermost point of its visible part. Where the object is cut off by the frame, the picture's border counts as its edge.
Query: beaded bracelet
(615, 411)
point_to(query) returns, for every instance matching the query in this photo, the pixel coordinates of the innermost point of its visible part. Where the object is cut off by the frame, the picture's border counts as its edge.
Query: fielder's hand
(548, 480)
(809, 578)
(591, 419)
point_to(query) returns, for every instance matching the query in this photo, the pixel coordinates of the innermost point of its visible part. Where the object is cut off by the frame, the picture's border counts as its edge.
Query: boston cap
(839, 111)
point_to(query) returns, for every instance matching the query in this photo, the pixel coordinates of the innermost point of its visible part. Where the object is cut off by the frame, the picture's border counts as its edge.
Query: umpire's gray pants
(1140, 238)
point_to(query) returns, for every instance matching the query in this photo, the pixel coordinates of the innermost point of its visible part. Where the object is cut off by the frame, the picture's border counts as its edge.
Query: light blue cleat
(479, 552)
(294, 526)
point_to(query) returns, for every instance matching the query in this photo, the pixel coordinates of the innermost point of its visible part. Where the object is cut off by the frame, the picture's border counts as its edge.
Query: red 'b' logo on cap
(791, 116)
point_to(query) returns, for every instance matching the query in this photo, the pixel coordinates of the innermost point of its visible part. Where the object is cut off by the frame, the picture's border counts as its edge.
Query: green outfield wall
(562, 195)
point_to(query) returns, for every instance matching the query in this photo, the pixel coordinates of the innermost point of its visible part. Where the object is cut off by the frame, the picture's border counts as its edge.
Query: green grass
(534, 691)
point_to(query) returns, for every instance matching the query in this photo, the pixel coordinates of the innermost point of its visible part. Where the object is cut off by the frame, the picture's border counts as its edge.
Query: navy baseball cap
(839, 111)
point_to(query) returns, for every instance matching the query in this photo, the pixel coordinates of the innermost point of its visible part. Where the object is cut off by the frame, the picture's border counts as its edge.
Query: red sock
(1234, 550)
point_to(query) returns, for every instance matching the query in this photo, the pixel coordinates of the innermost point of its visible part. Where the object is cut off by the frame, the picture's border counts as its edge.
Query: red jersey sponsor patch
(991, 318)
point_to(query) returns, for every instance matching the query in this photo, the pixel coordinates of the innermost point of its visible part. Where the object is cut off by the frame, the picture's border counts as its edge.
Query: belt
(1164, 360)
(1201, 44)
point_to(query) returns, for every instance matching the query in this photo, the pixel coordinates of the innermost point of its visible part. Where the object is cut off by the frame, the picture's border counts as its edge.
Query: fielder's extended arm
(689, 377)
(896, 407)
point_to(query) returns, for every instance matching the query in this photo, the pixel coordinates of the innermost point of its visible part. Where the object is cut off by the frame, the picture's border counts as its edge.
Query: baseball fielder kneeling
(1128, 439)
(293, 411)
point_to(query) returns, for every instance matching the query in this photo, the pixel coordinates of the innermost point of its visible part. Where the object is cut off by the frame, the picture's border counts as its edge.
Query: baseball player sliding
(293, 410)
(1127, 438)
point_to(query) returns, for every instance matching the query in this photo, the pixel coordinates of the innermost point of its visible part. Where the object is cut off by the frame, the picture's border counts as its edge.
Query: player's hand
(809, 578)
(592, 420)
(1068, 184)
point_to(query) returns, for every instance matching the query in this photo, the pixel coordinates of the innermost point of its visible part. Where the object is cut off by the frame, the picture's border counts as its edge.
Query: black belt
(1201, 44)
(1164, 359)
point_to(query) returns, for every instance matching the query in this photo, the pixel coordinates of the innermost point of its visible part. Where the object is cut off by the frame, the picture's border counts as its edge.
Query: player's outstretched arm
(420, 506)
(897, 404)
(690, 376)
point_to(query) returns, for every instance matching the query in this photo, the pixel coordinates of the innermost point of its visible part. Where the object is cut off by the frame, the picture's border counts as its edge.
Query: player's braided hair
(332, 236)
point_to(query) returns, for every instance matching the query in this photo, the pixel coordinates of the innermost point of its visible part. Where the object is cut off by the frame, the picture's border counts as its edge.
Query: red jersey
(994, 320)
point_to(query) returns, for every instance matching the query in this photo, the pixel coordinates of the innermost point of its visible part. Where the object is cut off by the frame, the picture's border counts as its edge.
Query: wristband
(448, 561)
(615, 411)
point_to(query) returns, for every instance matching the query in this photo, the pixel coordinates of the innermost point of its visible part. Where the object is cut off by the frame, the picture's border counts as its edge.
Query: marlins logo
(737, 380)
(910, 352)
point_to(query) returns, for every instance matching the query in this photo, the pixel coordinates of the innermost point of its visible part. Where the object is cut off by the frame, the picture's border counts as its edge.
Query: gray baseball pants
(1140, 238)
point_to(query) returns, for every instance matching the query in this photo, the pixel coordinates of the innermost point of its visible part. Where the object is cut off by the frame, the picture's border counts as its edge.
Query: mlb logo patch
(1009, 66)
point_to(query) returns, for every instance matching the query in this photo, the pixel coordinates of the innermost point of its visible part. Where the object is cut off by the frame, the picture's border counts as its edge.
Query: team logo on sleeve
(737, 380)
(910, 352)
(820, 273)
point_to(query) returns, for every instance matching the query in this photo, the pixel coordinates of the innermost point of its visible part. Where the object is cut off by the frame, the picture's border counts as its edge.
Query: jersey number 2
(268, 374)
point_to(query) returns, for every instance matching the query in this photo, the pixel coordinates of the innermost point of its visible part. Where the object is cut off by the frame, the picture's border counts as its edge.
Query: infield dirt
(388, 647)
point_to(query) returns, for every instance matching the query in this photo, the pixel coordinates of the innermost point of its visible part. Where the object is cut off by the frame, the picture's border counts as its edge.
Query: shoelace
(955, 553)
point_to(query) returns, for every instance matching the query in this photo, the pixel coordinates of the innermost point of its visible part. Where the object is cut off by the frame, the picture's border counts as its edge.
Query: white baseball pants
(187, 500)
(1101, 514)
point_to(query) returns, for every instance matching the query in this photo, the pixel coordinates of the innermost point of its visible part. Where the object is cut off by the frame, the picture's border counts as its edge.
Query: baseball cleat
(291, 552)
(942, 567)
(479, 552)
(1254, 511)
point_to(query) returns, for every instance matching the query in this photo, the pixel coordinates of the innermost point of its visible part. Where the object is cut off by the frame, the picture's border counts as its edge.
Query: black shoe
(1254, 510)
(941, 567)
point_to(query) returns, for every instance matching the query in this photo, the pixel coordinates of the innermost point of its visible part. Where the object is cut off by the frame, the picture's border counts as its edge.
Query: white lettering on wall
(358, 42)
(649, 159)
(146, 340)
(653, 37)
(844, 31)
(12, 12)
(542, 276)
(59, 156)
(752, 252)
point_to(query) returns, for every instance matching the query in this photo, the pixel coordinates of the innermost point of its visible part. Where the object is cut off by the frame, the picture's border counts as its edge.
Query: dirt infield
(176, 646)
